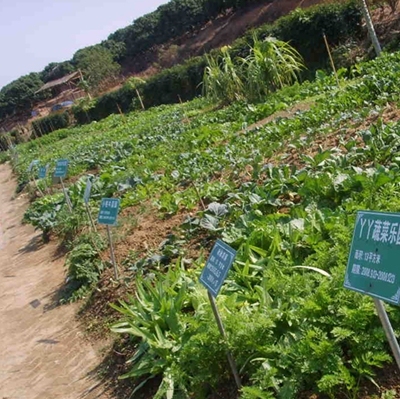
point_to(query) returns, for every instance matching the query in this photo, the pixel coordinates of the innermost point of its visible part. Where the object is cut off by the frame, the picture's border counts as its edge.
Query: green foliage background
(50, 123)
(276, 196)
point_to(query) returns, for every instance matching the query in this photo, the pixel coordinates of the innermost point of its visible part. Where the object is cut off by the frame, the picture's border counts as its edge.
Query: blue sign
(61, 168)
(42, 172)
(373, 265)
(217, 267)
(108, 211)
(88, 189)
(32, 164)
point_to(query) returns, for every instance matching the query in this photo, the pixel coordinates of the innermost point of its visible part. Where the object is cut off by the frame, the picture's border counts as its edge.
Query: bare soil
(216, 33)
(43, 352)
(143, 231)
(391, 113)
(287, 113)
(140, 233)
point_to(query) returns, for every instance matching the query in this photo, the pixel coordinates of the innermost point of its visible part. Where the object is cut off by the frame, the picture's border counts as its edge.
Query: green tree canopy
(171, 20)
(19, 95)
(56, 70)
(97, 64)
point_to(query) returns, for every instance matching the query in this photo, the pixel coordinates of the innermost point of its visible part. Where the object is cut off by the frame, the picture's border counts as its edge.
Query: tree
(97, 64)
(117, 49)
(171, 20)
(56, 70)
(19, 95)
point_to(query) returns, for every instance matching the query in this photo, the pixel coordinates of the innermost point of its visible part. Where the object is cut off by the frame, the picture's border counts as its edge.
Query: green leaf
(315, 269)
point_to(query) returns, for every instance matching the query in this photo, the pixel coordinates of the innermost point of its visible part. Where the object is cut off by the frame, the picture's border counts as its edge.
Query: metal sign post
(212, 277)
(372, 268)
(32, 164)
(108, 215)
(394, 345)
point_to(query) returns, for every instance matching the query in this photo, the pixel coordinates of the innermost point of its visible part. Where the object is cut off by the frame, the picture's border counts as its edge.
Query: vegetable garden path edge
(43, 353)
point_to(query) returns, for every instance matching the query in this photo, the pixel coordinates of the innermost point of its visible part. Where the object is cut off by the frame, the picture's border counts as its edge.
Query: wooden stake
(119, 110)
(331, 59)
(140, 99)
(37, 187)
(198, 194)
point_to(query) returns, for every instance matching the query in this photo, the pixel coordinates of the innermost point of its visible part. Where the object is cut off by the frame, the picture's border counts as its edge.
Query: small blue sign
(42, 172)
(88, 189)
(32, 164)
(61, 168)
(217, 267)
(108, 211)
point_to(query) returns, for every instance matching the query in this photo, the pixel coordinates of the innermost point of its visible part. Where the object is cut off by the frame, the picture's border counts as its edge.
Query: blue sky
(34, 33)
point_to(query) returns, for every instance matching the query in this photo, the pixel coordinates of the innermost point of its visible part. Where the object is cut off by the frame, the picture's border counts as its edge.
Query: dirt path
(287, 113)
(42, 352)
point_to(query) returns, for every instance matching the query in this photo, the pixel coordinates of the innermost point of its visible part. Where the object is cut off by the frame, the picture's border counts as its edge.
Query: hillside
(283, 193)
(216, 33)
(219, 31)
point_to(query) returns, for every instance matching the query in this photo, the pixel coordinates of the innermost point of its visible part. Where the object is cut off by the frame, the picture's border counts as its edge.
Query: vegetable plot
(284, 195)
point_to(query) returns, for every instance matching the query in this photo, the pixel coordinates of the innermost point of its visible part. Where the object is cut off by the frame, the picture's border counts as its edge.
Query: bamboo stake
(198, 194)
(140, 99)
(331, 59)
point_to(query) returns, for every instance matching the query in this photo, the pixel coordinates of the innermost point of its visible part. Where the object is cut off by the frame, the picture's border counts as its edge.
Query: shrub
(50, 123)
(84, 265)
(42, 214)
